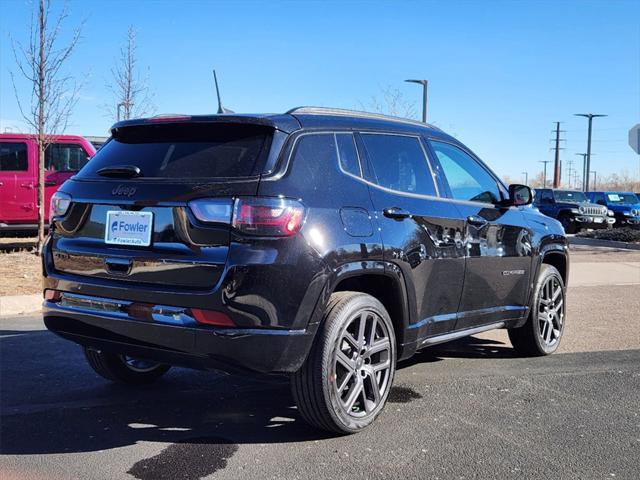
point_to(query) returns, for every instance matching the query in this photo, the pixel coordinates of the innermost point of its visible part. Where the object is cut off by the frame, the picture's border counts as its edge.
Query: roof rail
(355, 113)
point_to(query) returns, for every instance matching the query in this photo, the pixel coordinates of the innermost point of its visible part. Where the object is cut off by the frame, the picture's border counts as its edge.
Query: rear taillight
(266, 216)
(59, 204)
(261, 216)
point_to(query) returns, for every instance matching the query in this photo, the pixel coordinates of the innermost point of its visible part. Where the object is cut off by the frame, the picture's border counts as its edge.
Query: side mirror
(520, 195)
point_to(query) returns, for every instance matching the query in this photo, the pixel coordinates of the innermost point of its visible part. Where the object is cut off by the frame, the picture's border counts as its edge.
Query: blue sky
(500, 72)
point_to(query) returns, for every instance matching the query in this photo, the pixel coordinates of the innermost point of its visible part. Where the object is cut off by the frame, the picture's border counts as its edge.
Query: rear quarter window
(186, 151)
(399, 163)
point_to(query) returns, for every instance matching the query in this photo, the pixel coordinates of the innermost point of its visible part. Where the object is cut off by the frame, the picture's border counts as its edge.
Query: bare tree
(392, 102)
(130, 91)
(53, 93)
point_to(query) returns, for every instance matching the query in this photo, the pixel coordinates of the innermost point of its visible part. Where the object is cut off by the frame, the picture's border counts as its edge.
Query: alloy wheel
(551, 312)
(361, 364)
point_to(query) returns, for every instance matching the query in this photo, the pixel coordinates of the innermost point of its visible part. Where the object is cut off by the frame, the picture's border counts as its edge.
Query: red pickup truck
(19, 174)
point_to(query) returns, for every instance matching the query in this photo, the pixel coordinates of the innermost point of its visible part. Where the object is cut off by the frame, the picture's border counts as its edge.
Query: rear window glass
(187, 150)
(13, 157)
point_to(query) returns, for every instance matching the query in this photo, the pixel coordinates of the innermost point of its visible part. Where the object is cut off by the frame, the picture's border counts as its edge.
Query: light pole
(425, 85)
(595, 183)
(544, 177)
(590, 117)
(120, 105)
(584, 171)
(526, 178)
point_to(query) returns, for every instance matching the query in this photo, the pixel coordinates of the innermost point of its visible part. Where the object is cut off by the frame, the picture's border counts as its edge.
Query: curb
(20, 304)
(593, 242)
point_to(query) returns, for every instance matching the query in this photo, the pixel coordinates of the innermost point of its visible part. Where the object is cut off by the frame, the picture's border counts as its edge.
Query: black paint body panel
(448, 275)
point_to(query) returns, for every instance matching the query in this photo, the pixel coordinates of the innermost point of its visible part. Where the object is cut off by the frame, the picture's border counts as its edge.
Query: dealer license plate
(124, 227)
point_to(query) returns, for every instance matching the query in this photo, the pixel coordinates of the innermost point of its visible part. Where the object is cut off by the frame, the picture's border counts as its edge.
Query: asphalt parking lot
(469, 409)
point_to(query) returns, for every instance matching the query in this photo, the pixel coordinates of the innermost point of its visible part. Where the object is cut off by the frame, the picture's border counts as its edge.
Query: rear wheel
(543, 331)
(344, 383)
(124, 369)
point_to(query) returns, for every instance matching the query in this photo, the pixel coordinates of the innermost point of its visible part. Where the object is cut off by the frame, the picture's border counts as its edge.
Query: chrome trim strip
(468, 313)
(447, 337)
(162, 314)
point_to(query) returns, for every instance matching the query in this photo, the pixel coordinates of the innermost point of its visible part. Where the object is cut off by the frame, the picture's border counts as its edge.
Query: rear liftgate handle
(118, 266)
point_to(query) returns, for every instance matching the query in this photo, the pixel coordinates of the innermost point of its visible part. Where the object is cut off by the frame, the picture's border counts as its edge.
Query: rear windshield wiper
(120, 171)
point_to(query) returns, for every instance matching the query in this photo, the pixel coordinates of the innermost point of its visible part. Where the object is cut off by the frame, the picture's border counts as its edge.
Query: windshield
(568, 196)
(186, 151)
(622, 198)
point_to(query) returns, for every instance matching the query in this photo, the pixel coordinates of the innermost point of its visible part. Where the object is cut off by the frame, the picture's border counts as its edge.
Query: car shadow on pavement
(468, 347)
(52, 402)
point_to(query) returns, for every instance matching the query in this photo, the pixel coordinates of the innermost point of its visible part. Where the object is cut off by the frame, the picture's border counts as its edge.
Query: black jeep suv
(572, 209)
(324, 244)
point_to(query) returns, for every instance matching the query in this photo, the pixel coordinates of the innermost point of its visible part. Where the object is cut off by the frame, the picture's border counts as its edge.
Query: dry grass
(20, 273)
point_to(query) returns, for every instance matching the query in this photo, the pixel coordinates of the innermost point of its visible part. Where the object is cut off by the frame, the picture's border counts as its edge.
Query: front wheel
(344, 383)
(543, 331)
(567, 223)
(124, 369)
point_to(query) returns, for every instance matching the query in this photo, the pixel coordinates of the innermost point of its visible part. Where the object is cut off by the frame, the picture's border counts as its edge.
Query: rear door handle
(476, 221)
(396, 213)
(27, 185)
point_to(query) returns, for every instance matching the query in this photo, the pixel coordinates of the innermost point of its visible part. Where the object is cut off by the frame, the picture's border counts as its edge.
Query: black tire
(116, 368)
(567, 224)
(529, 340)
(316, 386)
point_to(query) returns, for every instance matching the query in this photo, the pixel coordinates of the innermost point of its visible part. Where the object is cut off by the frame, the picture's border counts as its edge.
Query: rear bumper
(233, 350)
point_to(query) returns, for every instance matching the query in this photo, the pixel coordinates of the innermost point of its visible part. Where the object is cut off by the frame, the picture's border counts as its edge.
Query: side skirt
(447, 337)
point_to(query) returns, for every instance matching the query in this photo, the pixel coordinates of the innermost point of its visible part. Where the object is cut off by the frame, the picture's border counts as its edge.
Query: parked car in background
(64, 157)
(320, 243)
(624, 205)
(572, 209)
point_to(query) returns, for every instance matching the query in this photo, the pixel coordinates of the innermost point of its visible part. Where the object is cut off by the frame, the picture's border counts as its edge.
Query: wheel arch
(384, 285)
(559, 260)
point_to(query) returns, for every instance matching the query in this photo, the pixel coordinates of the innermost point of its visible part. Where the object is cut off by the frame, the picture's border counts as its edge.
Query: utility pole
(544, 177)
(556, 171)
(425, 85)
(526, 178)
(590, 117)
(569, 170)
(584, 171)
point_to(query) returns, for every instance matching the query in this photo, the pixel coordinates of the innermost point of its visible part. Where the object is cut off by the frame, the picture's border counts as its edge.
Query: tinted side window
(545, 196)
(63, 157)
(347, 154)
(315, 152)
(13, 157)
(399, 163)
(599, 198)
(467, 179)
